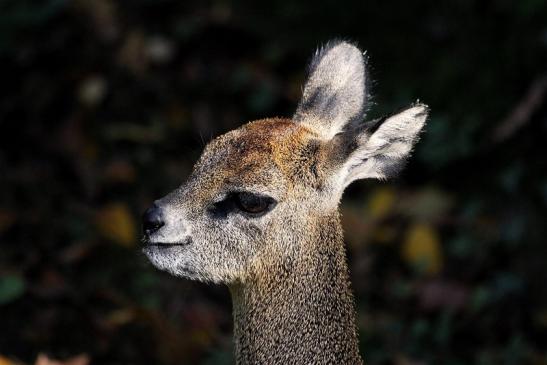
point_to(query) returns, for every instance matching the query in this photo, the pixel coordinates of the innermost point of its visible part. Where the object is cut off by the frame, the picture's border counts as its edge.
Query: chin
(177, 262)
(172, 260)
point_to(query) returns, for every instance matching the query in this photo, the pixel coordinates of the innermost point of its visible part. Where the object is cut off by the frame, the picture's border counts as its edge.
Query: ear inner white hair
(335, 93)
(382, 153)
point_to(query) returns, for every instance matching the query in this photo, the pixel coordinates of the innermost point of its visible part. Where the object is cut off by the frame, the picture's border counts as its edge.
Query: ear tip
(350, 46)
(344, 45)
(420, 110)
(338, 41)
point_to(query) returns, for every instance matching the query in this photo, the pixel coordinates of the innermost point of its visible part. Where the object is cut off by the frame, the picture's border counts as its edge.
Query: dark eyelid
(270, 203)
(222, 207)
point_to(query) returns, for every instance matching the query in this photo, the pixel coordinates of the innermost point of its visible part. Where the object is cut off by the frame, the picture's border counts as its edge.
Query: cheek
(235, 237)
(252, 231)
(219, 239)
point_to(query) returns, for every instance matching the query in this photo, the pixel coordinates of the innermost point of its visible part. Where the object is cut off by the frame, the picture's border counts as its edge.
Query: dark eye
(253, 203)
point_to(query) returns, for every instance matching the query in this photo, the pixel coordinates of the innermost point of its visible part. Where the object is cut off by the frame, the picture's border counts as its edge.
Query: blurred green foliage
(11, 287)
(106, 105)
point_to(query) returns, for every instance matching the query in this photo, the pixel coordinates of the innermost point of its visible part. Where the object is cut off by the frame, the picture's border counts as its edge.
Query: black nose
(152, 220)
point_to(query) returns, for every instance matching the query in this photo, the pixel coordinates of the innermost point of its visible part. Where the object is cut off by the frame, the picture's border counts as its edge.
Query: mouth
(166, 245)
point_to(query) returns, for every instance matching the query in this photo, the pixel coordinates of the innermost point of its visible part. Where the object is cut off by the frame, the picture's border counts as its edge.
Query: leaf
(43, 359)
(115, 223)
(6, 361)
(11, 288)
(422, 250)
(93, 90)
(381, 202)
(120, 317)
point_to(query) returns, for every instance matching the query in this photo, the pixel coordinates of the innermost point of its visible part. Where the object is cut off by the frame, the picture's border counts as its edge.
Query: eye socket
(253, 203)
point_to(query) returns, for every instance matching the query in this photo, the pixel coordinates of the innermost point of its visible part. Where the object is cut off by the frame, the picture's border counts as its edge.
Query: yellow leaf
(6, 361)
(422, 249)
(115, 223)
(381, 202)
(120, 317)
(43, 359)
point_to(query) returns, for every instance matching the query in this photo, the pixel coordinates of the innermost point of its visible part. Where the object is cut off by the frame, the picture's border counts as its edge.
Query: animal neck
(300, 311)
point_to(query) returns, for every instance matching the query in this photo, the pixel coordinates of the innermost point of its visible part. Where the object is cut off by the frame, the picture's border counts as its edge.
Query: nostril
(152, 220)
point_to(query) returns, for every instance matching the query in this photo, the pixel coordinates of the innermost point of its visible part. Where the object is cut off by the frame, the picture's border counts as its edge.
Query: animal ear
(335, 93)
(378, 149)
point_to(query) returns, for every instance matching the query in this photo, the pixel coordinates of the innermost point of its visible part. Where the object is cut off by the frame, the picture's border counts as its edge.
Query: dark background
(105, 105)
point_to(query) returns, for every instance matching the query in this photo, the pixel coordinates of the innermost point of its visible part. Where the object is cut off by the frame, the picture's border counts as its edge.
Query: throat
(299, 312)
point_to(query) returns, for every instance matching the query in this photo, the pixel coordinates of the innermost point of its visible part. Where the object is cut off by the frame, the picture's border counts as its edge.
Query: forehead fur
(277, 143)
